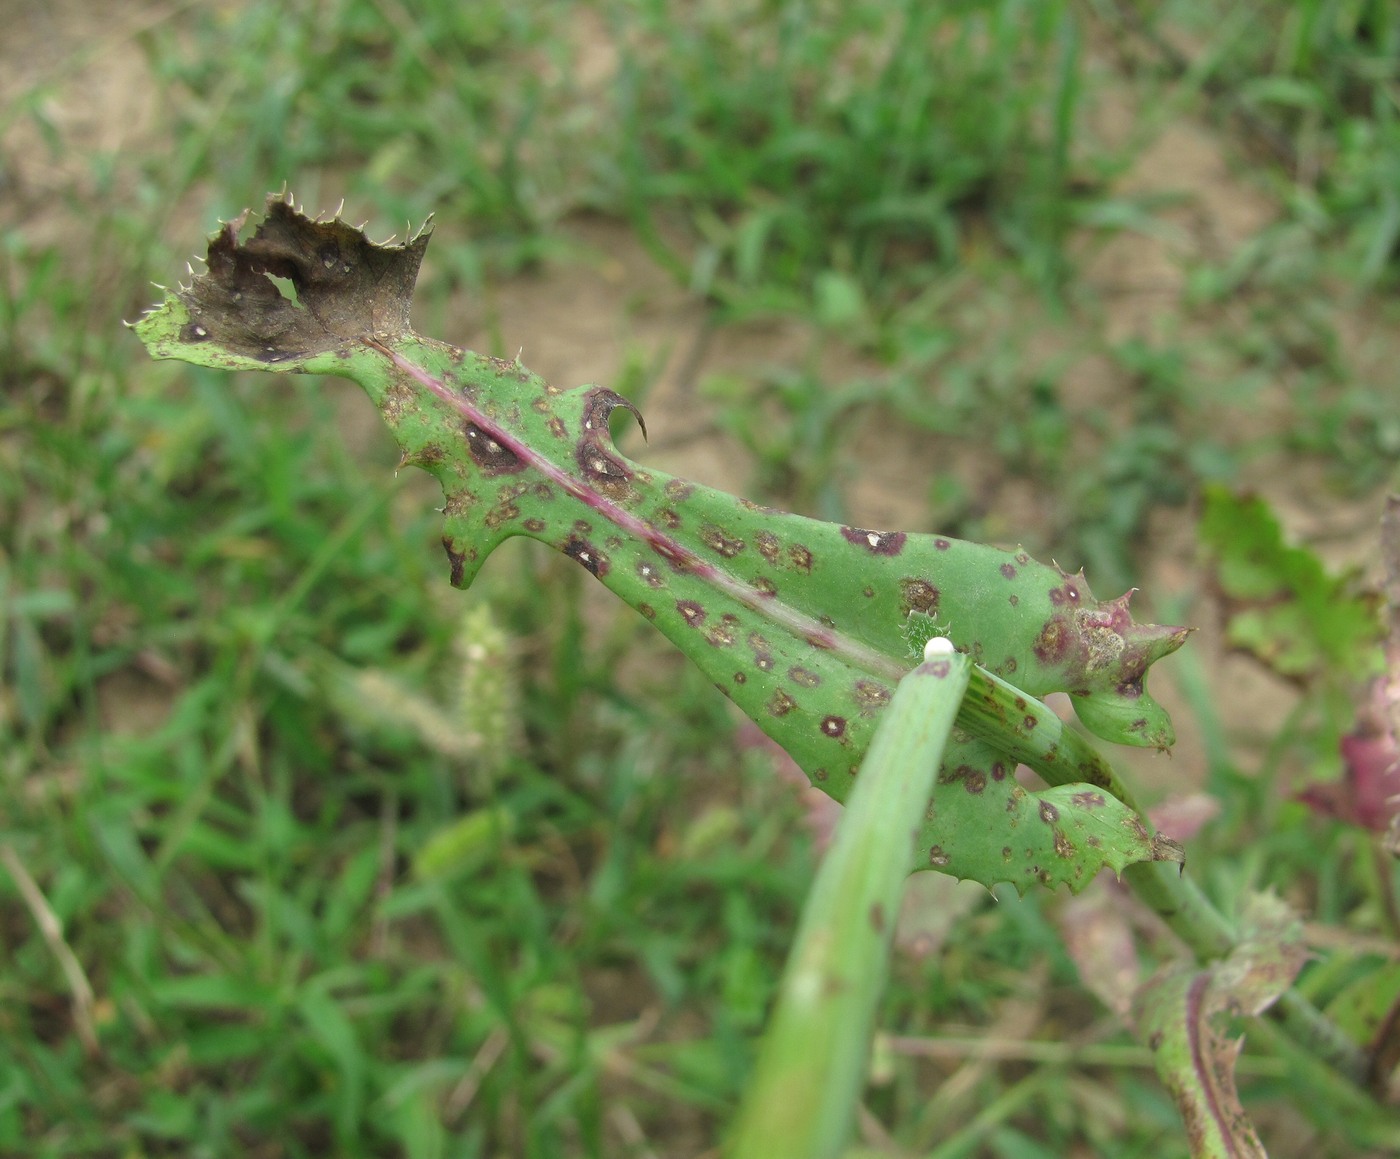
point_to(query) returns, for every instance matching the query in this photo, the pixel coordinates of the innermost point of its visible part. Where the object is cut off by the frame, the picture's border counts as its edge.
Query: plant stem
(801, 1100)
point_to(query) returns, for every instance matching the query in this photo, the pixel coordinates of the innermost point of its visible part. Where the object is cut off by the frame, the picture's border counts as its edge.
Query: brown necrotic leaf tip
(346, 287)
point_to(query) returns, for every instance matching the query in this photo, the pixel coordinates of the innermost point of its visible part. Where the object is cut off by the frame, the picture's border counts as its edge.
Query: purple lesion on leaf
(557, 428)
(649, 575)
(488, 454)
(1088, 799)
(875, 542)
(804, 677)
(1056, 642)
(604, 471)
(834, 726)
(678, 490)
(918, 595)
(765, 587)
(576, 547)
(974, 780)
(1068, 593)
(691, 612)
(457, 560)
(668, 518)
(534, 526)
(1008, 570)
(998, 771)
(1048, 813)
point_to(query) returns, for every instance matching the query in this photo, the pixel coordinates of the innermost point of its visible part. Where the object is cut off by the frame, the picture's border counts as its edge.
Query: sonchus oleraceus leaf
(806, 625)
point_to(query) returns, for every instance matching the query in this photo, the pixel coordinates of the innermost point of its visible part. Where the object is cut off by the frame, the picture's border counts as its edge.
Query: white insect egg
(938, 646)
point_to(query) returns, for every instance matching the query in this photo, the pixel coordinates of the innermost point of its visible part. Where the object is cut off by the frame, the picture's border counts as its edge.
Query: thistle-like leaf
(1182, 1014)
(805, 625)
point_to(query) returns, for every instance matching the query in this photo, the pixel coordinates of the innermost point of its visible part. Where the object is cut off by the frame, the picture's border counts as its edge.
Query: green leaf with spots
(805, 625)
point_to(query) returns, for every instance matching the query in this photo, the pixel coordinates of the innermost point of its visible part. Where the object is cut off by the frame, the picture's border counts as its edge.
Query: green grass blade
(803, 1096)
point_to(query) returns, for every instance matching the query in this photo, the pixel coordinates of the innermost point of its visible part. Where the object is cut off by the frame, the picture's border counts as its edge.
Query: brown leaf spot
(720, 541)
(603, 471)
(918, 595)
(488, 454)
(804, 677)
(800, 557)
(557, 428)
(722, 635)
(501, 514)
(534, 526)
(1064, 847)
(937, 858)
(650, 575)
(457, 560)
(458, 503)
(741, 678)
(870, 696)
(647, 611)
(668, 518)
(767, 544)
(1048, 813)
(780, 703)
(877, 918)
(678, 490)
(580, 549)
(765, 587)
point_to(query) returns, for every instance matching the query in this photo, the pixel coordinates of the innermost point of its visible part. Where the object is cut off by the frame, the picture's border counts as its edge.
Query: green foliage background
(353, 864)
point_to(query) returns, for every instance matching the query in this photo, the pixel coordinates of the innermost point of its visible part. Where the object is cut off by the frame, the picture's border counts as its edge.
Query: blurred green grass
(207, 601)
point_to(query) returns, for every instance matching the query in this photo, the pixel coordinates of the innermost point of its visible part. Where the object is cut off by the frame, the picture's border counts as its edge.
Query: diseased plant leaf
(1182, 1016)
(807, 626)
